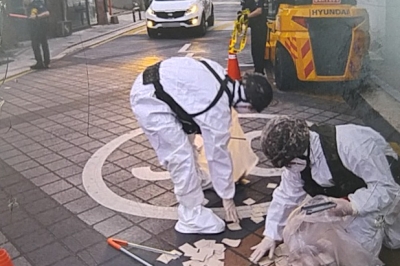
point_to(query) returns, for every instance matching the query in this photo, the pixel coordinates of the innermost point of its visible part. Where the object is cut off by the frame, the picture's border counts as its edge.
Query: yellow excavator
(317, 41)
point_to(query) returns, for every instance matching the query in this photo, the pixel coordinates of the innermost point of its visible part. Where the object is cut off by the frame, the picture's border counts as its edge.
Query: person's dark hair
(258, 91)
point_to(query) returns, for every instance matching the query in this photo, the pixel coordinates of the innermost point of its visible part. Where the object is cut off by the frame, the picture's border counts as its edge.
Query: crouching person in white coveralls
(353, 165)
(179, 97)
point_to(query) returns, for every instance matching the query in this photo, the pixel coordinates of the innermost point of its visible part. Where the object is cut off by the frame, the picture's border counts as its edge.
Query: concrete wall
(392, 40)
(377, 17)
(128, 4)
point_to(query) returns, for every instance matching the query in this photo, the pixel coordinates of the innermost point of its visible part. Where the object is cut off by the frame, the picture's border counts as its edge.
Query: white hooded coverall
(363, 151)
(193, 87)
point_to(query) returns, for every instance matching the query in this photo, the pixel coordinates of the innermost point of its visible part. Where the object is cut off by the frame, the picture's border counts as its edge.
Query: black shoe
(46, 66)
(38, 66)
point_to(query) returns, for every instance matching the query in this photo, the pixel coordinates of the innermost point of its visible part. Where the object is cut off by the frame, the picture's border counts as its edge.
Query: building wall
(392, 40)
(377, 17)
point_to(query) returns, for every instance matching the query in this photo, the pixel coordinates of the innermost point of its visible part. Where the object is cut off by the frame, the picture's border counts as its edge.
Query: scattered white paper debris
(218, 256)
(214, 262)
(249, 201)
(219, 248)
(188, 250)
(272, 185)
(257, 220)
(234, 227)
(326, 259)
(231, 242)
(164, 258)
(199, 256)
(203, 243)
(282, 261)
(265, 262)
(244, 181)
(282, 250)
(187, 263)
(205, 202)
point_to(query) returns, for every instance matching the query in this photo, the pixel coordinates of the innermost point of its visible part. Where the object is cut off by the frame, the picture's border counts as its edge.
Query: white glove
(343, 208)
(231, 214)
(262, 248)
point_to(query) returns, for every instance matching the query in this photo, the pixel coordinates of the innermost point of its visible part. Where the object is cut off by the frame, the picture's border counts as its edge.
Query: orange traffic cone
(5, 259)
(233, 67)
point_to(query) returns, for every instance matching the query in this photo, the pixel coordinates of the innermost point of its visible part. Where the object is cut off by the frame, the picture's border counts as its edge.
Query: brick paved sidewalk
(45, 144)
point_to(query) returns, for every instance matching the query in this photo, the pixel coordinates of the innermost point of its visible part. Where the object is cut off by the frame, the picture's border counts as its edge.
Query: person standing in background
(38, 23)
(258, 24)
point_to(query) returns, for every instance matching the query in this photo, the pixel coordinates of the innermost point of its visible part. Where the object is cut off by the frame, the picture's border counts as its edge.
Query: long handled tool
(310, 209)
(117, 244)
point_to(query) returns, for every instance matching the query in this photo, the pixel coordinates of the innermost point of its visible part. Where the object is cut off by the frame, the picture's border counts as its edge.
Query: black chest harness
(152, 76)
(345, 181)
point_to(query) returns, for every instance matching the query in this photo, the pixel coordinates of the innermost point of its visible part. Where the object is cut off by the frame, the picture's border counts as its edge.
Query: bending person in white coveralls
(351, 164)
(179, 97)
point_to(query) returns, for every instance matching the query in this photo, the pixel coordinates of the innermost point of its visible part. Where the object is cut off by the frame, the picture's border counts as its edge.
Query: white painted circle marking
(97, 189)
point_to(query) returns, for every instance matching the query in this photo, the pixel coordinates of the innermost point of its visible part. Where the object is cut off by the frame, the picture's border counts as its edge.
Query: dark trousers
(39, 38)
(258, 42)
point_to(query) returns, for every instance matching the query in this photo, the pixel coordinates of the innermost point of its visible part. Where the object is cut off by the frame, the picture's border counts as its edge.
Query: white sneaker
(198, 220)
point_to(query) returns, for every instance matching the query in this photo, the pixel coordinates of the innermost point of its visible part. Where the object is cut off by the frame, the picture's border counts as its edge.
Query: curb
(78, 47)
(377, 108)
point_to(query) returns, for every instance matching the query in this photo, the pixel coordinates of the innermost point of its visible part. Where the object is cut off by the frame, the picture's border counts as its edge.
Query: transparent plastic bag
(320, 240)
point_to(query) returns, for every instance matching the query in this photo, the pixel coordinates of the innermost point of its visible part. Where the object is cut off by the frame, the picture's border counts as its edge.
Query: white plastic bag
(320, 240)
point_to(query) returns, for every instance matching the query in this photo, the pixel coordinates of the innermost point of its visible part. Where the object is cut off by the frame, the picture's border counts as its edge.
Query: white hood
(166, 6)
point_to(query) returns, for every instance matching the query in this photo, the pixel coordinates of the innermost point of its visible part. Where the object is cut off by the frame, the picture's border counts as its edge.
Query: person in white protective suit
(353, 165)
(179, 97)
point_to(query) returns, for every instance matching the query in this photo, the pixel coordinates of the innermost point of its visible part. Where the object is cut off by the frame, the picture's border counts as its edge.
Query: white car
(196, 14)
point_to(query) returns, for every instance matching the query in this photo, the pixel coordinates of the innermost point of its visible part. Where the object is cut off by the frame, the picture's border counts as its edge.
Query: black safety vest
(152, 76)
(345, 181)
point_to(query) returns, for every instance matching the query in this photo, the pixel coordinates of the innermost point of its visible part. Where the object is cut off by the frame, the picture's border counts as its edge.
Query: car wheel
(210, 21)
(202, 28)
(284, 70)
(152, 33)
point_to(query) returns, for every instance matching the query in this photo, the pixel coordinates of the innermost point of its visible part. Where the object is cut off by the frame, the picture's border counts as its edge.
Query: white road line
(190, 55)
(184, 48)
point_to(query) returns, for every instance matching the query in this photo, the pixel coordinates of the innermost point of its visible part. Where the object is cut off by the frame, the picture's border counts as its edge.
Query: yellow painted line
(17, 76)
(135, 31)
(116, 37)
(396, 147)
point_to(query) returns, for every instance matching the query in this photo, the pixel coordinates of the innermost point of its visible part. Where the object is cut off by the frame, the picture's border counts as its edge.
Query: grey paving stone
(67, 227)
(71, 152)
(9, 154)
(82, 240)
(69, 171)
(12, 251)
(133, 184)
(9, 217)
(17, 159)
(149, 192)
(134, 234)
(75, 180)
(118, 191)
(156, 226)
(81, 140)
(81, 157)
(10, 179)
(96, 215)
(56, 187)
(57, 165)
(133, 149)
(48, 158)
(29, 196)
(42, 256)
(166, 184)
(34, 240)
(167, 199)
(127, 162)
(40, 206)
(118, 177)
(68, 195)
(45, 179)
(98, 254)
(3, 238)
(39, 153)
(109, 168)
(25, 166)
(70, 261)
(318, 119)
(35, 172)
(19, 188)
(52, 216)
(91, 145)
(21, 261)
(17, 229)
(146, 155)
(30, 148)
(112, 225)
(117, 155)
